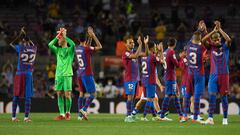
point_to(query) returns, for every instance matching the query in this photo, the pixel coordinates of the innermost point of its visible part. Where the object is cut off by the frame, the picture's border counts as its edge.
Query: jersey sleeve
(173, 58)
(72, 44)
(52, 46)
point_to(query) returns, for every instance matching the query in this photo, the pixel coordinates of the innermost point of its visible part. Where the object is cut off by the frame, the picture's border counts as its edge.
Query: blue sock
(80, 104)
(129, 107)
(186, 104)
(178, 105)
(225, 106)
(212, 105)
(196, 106)
(147, 108)
(154, 114)
(88, 102)
(164, 106)
(27, 106)
(14, 106)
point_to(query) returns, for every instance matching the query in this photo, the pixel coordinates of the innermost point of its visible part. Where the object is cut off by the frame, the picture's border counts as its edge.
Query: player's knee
(155, 99)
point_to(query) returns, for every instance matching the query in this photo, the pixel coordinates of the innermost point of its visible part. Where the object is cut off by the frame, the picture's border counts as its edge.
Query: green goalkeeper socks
(68, 104)
(61, 105)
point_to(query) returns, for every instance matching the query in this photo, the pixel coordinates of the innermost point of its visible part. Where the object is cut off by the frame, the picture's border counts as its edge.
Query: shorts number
(144, 67)
(80, 60)
(193, 59)
(130, 86)
(28, 57)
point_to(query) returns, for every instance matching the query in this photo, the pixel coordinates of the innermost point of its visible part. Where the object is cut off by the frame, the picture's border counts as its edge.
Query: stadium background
(112, 21)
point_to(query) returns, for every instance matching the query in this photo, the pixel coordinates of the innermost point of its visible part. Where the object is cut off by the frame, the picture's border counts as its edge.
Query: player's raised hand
(160, 47)
(217, 24)
(23, 30)
(90, 32)
(146, 39)
(139, 40)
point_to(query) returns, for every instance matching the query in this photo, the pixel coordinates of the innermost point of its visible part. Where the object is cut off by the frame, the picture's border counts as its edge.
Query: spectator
(53, 9)
(51, 68)
(8, 73)
(4, 86)
(3, 43)
(110, 89)
(160, 30)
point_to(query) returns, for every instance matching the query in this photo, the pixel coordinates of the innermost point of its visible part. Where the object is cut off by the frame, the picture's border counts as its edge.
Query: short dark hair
(150, 44)
(171, 41)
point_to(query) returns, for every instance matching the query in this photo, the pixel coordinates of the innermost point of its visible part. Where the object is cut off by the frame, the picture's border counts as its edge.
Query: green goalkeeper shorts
(63, 83)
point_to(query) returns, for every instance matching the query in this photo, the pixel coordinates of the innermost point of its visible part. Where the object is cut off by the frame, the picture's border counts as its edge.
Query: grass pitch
(106, 124)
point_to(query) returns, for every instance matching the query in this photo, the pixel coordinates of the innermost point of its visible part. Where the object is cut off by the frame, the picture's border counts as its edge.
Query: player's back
(148, 69)
(195, 58)
(170, 64)
(26, 58)
(219, 59)
(84, 54)
(130, 66)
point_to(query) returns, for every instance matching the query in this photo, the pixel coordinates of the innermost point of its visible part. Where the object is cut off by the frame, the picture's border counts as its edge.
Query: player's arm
(206, 38)
(18, 36)
(139, 49)
(159, 84)
(174, 59)
(224, 34)
(52, 46)
(94, 37)
(146, 40)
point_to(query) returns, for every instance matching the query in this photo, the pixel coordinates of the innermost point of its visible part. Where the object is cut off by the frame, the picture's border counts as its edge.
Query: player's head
(129, 42)
(216, 38)
(197, 36)
(152, 47)
(172, 42)
(82, 38)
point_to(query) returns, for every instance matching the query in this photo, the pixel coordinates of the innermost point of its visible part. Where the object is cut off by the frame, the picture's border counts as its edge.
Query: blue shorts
(170, 87)
(151, 90)
(88, 84)
(130, 87)
(183, 90)
(195, 84)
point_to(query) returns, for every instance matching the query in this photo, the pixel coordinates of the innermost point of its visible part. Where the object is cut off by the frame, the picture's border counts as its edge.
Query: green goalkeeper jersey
(64, 56)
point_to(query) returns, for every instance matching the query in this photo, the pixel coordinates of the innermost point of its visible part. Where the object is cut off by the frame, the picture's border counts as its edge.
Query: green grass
(106, 124)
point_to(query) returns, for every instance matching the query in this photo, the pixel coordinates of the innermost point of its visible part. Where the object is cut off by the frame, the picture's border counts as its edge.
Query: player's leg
(188, 94)
(130, 88)
(212, 95)
(28, 95)
(89, 85)
(68, 98)
(223, 82)
(60, 95)
(19, 88)
(81, 97)
(156, 105)
(80, 104)
(139, 104)
(67, 87)
(199, 83)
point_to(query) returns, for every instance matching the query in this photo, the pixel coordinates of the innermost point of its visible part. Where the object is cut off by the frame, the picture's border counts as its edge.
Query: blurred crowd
(112, 21)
